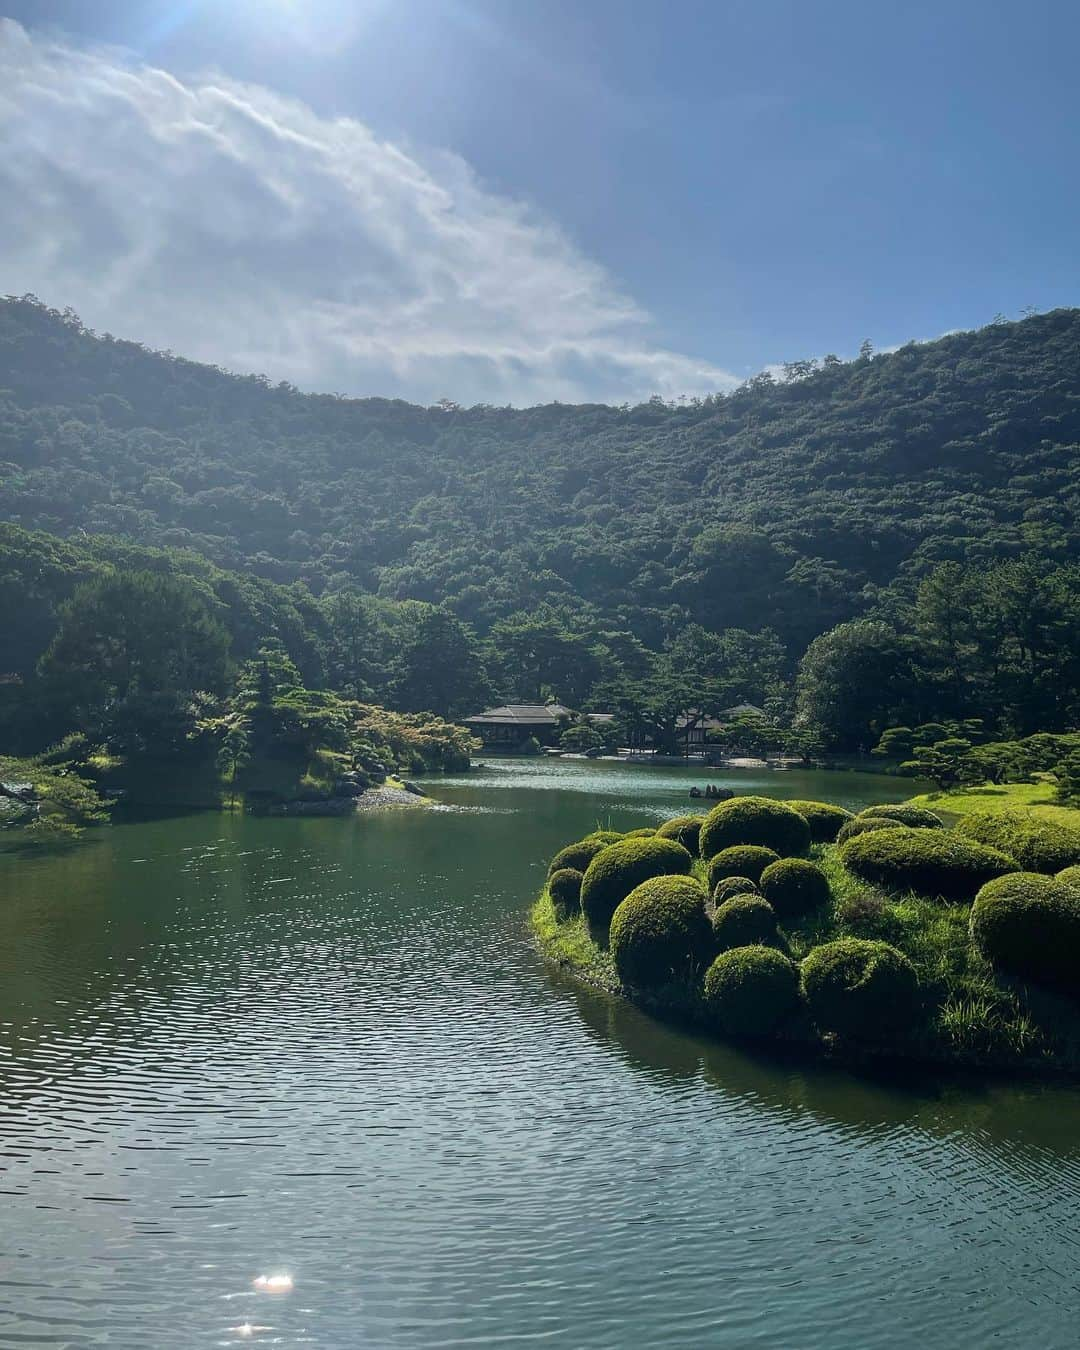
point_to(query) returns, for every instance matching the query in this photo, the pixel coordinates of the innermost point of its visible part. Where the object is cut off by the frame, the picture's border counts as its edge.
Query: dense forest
(850, 545)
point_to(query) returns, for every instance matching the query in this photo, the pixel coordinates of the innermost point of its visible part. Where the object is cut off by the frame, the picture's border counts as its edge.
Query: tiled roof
(521, 714)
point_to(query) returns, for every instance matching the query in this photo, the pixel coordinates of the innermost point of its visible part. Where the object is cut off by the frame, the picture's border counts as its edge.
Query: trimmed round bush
(860, 988)
(749, 991)
(1038, 845)
(741, 860)
(794, 887)
(1029, 924)
(861, 824)
(930, 862)
(915, 817)
(684, 830)
(729, 886)
(754, 820)
(619, 868)
(578, 856)
(660, 932)
(742, 920)
(1070, 876)
(564, 887)
(646, 832)
(605, 836)
(825, 820)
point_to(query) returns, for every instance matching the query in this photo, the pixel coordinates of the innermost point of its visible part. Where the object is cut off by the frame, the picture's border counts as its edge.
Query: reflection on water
(324, 1052)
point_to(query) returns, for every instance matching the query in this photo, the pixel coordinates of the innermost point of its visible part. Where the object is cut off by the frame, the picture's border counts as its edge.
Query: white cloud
(236, 226)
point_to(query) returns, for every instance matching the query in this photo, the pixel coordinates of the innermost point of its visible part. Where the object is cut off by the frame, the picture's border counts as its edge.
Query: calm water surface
(325, 1048)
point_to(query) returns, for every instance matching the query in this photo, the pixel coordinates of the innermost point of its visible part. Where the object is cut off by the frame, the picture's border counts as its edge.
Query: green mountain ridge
(792, 504)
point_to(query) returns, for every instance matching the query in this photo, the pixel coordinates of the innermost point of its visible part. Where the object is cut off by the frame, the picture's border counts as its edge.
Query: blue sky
(538, 199)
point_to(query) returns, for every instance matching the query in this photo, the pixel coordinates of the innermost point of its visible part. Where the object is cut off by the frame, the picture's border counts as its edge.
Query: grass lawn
(1038, 798)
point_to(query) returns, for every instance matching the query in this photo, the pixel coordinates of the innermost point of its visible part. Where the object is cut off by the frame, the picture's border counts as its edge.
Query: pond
(235, 1048)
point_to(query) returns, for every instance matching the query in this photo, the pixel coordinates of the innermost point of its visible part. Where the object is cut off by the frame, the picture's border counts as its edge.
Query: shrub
(866, 914)
(646, 832)
(660, 932)
(579, 855)
(606, 836)
(825, 820)
(754, 820)
(742, 920)
(564, 887)
(859, 988)
(1029, 924)
(931, 862)
(794, 887)
(1037, 845)
(750, 990)
(684, 830)
(1070, 876)
(619, 868)
(861, 824)
(741, 860)
(915, 817)
(729, 886)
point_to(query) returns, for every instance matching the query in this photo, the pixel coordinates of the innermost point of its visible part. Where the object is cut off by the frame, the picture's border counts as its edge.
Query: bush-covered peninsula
(906, 939)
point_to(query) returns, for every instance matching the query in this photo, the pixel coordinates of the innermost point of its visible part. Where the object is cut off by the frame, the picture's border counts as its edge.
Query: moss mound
(1070, 876)
(660, 933)
(741, 860)
(794, 887)
(646, 832)
(754, 820)
(862, 824)
(750, 990)
(684, 830)
(859, 988)
(1029, 924)
(743, 920)
(825, 820)
(1038, 845)
(605, 836)
(578, 855)
(564, 887)
(729, 886)
(619, 868)
(915, 817)
(930, 862)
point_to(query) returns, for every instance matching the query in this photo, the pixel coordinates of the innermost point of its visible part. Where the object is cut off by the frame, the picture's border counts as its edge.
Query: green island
(883, 934)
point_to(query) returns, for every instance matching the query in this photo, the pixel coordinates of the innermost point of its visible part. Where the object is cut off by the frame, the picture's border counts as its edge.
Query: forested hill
(789, 502)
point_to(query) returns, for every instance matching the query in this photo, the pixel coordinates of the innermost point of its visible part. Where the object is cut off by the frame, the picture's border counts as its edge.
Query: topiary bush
(660, 932)
(578, 855)
(930, 862)
(646, 832)
(915, 817)
(564, 887)
(859, 988)
(619, 868)
(1038, 845)
(750, 990)
(729, 886)
(1029, 924)
(684, 830)
(741, 860)
(794, 887)
(754, 820)
(1070, 876)
(862, 824)
(742, 920)
(606, 836)
(825, 820)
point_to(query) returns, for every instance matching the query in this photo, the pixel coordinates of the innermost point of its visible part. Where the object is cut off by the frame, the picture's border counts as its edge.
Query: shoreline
(567, 947)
